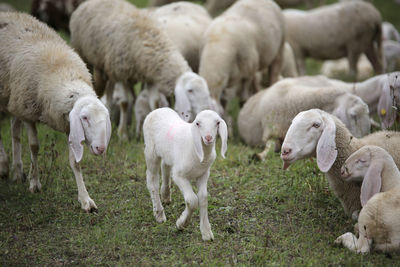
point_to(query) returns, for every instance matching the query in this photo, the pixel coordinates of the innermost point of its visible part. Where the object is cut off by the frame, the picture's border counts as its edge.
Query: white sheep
(317, 133)
(335, 31)
(44, 80)
(185, 24)
(187, 151)
(339, 67)
(244, 40)
(391, 51)
(125, 44)
(267, 115)
(389, 32)
(378, 222)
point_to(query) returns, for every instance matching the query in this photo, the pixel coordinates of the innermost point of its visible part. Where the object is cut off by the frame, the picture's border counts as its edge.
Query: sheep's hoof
(181, 223)
(88, 205)
(207, 236)
(160, 216)
(35, 186)
(18, 176)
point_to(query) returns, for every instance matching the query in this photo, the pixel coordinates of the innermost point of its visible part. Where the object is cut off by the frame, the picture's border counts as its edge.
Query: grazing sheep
(185, 24)
(125, 44)
(343, 30)
(268, 114)
(187, 151)
(378, 223)
(245, 39)
(389, 32)
(316, 132)
(42, 79)
(55, 13)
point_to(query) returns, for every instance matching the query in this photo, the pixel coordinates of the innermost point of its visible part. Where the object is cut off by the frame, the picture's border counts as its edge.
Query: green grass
(260, 215)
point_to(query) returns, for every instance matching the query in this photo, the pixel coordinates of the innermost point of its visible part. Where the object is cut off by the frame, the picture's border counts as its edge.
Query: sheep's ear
(385, 111)
(108, 130)
(223, 133)
(372, 183)
(182, 104)
(76, 134)
(197, 142)
(326, 147)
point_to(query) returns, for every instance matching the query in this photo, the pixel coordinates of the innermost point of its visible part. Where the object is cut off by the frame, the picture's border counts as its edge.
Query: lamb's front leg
(34, 183)
(87, 203)
(191, 200)
(17, 170)
(205, 227)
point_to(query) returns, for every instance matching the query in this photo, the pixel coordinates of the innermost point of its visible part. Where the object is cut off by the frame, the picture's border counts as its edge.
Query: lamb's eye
(190, 90)
(316, 125)
(198, 124)
(218, 123)
(85, 118)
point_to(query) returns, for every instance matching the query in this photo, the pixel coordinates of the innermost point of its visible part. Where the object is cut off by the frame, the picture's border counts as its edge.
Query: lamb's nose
(208, 138)
(286, 151)
(100, 149)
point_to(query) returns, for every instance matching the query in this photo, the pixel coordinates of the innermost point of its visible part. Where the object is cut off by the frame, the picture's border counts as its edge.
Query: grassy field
(260, 214)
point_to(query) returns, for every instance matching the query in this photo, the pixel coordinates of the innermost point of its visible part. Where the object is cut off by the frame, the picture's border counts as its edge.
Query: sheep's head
(354, 113)
(89, 122)
(311, 132)
(356, 166)
(205, 128)
(389, 100)
(191, 95)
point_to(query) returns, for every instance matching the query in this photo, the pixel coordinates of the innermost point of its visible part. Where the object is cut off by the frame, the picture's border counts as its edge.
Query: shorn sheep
(247, 38)
(187, 151)
(44, 80)
(343, 30)
(378, 223)
(267, 115)
(126, 44)
(315, 132)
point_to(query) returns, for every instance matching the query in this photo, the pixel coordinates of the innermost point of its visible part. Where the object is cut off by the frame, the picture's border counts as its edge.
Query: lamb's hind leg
(34, 183)
(153, 185)
(205, 227)
(17, 171)
(4, 169)
(191, 200)
(166, 183)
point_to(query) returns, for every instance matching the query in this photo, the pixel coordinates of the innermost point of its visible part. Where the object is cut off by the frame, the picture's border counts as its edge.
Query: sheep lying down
(379, 222)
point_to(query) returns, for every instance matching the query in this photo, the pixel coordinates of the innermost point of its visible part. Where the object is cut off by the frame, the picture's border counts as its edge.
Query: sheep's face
(89, 122)
(356, 166)
(207, 123)
(302, 137)
(354, 113)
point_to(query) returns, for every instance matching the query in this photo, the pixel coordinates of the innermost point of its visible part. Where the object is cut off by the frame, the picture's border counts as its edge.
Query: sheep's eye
(198, 124)
(316, 125)
(360, 161)
(85, 118)
(218, 123)
(190, 90)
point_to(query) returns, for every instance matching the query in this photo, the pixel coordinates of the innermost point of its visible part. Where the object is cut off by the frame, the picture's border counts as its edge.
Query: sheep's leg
(191, 200)
(34, 183)
(205, 227)
(87, 204)
(352, 57)
(3, 161)
(100, 81)
(350, 241)
(17, 170)
(275, 68)
(153, 185)
(266, 138)
(123, 119)
(301, 66)
(166, 183)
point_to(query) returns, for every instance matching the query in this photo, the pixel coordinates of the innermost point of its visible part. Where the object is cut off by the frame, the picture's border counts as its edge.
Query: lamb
(245, 39)
(185, 24)
(378, 223)
(267, 115)
(125, 44)
(43, 79)
(316, 132)
(187, 150)
(327, 39)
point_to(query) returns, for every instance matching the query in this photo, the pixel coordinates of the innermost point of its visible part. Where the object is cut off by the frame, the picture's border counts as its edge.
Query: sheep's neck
(207, 150)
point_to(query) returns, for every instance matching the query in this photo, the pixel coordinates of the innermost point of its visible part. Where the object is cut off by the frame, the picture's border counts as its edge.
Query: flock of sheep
(178, 50)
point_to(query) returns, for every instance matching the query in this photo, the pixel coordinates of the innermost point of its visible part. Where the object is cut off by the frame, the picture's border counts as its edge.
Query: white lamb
(126, 44)
(44, 80)
(187, 151)
(378, 222)
(317, 133)
(335, 31)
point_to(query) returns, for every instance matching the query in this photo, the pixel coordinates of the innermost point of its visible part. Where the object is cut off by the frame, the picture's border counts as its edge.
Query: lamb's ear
(372, 182)
(326, 147)
(76, 134)
(197, 141)
(385, 111)
(223, 133)
(182, 104)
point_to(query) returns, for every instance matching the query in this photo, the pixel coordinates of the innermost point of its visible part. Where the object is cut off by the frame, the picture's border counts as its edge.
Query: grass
(260, 215)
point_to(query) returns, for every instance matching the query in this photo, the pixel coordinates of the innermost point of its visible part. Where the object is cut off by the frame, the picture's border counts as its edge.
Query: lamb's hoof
(35, 186)
(88, 205)
(181, 223)
(18, 176)
(160, 216)
(207, 236)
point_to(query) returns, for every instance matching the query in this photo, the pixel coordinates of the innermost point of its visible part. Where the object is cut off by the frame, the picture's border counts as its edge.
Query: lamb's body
(44, 80)
(343, 30)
